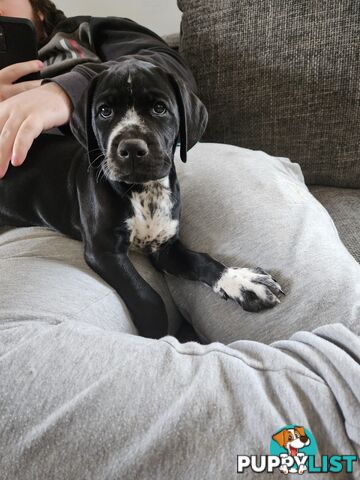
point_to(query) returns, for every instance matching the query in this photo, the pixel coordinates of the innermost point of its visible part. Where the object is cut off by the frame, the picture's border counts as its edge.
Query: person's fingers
(24, 86)
(13, 72)
(4, 168)
(7, 139)
(8, 91)
(30, 129)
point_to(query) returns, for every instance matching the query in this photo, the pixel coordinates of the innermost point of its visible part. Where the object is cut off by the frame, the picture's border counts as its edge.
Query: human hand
(11, 74)
(25, 116)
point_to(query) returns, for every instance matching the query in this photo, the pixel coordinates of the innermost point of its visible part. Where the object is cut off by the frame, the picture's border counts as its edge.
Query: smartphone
(18, 43)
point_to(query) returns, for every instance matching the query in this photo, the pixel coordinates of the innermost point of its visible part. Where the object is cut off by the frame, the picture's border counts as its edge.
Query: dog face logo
(291, 440)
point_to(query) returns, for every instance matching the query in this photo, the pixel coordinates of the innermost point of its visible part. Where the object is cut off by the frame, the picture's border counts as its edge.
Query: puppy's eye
(160, 108)
(105, 111)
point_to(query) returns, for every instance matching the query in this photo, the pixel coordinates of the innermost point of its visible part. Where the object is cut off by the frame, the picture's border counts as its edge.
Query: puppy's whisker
(92, 162)
(98, 175)
(105, 170)
(101, 173)
(94, 150)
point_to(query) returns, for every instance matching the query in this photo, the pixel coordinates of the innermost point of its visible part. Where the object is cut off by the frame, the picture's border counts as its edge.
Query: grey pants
(83, 397)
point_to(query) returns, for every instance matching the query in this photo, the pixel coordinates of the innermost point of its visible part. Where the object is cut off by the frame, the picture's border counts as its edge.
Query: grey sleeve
(81, 402)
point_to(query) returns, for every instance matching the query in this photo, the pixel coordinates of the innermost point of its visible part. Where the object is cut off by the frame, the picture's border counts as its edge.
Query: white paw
(252, 288)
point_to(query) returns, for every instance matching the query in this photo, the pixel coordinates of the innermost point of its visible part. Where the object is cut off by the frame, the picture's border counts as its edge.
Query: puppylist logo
(292, 450)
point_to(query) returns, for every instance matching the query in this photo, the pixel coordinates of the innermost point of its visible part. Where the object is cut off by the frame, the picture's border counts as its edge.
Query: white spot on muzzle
(131, 118)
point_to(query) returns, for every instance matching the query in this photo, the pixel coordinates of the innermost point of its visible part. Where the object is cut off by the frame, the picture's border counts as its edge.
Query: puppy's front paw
(252, 288)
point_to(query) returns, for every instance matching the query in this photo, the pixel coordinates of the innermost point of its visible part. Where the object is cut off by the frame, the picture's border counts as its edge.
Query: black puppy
(133, 117)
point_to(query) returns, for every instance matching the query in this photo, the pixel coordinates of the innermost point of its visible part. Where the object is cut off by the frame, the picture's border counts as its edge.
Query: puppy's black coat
(124, 193)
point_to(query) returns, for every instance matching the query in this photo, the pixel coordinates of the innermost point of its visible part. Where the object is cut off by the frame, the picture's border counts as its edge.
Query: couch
(283, 78)
(273, 81)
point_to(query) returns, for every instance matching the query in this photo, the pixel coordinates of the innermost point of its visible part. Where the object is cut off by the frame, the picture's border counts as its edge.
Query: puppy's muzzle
(136, 159)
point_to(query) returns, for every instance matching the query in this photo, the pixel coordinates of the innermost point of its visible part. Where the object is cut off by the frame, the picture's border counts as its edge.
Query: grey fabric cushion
(248, 209)
(343, 204)
(282, 77)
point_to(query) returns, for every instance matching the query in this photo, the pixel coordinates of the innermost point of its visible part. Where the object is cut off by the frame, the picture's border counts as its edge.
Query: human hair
(52, 16)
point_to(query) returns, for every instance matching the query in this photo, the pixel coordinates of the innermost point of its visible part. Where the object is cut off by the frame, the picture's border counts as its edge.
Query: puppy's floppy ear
(193, 116)
(301, 431)
(81, 122)
(280, 438)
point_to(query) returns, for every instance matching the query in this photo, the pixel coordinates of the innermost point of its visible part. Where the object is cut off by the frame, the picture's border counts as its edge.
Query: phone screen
(18, 43)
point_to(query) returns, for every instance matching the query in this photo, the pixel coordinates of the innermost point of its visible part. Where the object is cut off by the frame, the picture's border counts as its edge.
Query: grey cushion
(248, 209)
(282, 77)
(343, 204)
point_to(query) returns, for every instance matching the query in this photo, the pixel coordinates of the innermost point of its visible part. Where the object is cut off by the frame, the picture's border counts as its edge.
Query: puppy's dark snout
(132, 149)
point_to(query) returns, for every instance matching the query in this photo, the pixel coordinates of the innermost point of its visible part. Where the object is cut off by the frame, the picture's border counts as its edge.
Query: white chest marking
(152, 223)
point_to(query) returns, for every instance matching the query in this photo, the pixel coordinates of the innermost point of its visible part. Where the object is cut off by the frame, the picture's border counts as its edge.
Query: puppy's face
(136, 122)
(294, 438)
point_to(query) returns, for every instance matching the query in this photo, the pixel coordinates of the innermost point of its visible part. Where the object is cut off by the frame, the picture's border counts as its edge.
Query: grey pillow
(282, 77)
(248, 209)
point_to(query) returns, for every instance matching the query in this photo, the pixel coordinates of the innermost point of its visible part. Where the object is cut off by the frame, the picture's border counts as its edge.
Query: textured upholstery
(282, 77)
(343, 204)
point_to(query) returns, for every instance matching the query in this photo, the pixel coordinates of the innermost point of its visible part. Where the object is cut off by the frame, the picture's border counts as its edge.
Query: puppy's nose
(133, 149)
